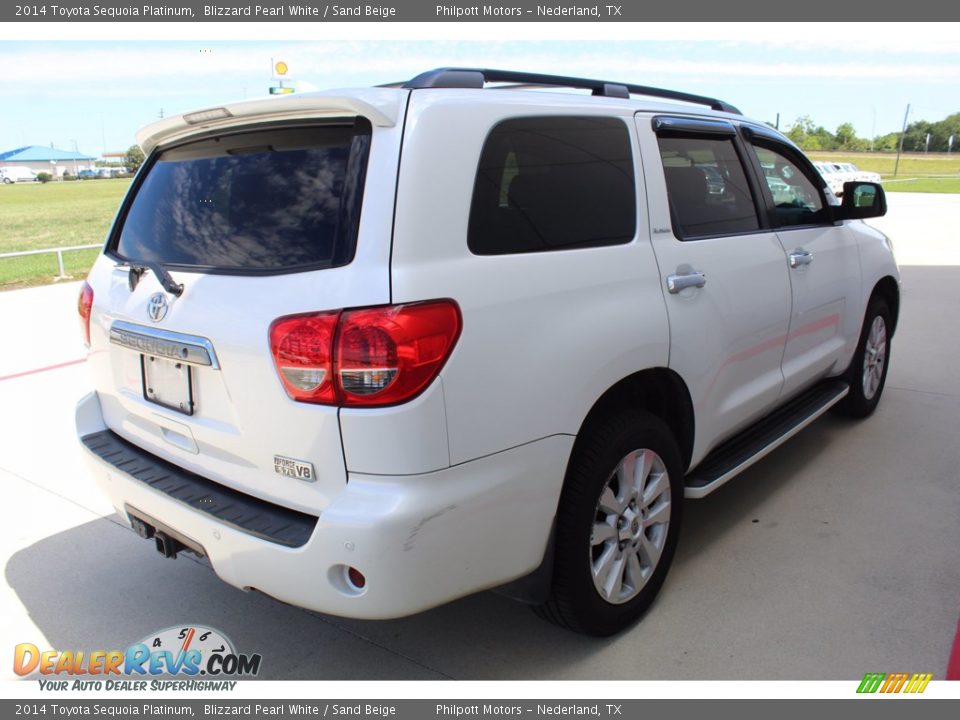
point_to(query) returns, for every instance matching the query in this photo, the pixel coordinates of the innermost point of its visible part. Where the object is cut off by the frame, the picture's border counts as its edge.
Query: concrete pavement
(834, 556)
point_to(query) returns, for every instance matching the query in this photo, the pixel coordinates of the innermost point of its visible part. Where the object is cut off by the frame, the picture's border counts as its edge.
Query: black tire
(860, 402)
(576, 602)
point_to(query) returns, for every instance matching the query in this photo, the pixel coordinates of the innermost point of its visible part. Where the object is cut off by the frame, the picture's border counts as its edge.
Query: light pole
(76, 151)
(900, 146)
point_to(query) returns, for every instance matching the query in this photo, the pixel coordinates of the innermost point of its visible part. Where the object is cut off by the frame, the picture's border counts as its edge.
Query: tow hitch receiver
(168, 542)
(167, 546)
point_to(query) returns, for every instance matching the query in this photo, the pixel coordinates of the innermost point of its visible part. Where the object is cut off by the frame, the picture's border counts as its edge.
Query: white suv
(372, 350)
(833, 175)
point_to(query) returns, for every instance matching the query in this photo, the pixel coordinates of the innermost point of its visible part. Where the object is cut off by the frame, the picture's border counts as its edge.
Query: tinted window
(707, 186)
(264, 201)
(550, 183)
(795, 198)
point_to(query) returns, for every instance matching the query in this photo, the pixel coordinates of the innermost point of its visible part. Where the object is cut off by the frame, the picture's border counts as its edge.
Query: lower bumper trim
(243, 512)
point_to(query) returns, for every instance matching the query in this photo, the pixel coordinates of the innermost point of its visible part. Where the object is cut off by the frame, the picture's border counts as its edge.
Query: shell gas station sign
(280, 74)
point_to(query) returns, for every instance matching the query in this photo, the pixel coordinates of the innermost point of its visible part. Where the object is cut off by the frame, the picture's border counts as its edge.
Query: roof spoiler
(380, 108)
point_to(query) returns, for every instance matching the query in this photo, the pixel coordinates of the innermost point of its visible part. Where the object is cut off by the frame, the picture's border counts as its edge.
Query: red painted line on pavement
(953, 664)
(43, 369)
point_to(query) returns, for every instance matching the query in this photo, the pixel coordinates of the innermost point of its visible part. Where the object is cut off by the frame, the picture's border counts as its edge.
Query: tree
(811, 137)
(135, 158)
(886, 142)
(800, 130)
(941, 131)
(846, 138)
(915, 139)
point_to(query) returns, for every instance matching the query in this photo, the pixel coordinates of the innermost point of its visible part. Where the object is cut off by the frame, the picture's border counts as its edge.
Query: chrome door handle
(676, 283)
(800, 257)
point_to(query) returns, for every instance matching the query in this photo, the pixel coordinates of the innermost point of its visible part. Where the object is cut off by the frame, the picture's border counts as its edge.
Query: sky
(95, 92)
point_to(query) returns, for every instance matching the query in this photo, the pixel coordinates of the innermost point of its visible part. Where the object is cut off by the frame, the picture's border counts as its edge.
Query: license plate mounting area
(167, 383)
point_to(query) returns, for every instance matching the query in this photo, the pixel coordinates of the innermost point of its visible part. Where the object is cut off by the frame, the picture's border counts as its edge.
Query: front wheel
(617, 524)
(868, 370)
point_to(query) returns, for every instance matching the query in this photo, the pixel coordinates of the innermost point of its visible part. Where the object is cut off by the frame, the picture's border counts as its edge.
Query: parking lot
(836, 555)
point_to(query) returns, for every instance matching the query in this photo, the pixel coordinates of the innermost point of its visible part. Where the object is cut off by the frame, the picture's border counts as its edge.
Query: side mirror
(862, 200)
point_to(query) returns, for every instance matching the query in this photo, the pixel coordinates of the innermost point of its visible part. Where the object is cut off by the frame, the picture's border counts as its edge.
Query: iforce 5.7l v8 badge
(297, 469)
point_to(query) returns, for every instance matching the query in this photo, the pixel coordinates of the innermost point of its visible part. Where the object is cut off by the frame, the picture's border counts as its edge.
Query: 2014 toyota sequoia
(372, 350)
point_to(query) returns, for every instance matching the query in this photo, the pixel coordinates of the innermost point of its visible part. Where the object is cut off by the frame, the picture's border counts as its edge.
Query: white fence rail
(59, 251)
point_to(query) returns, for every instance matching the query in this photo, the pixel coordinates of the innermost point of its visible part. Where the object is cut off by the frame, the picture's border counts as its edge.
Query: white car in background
(836, 174)
(10, 175)
(833, 175)
(859, 175)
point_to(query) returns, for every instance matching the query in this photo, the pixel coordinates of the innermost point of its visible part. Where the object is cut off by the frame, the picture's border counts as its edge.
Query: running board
(743, 450)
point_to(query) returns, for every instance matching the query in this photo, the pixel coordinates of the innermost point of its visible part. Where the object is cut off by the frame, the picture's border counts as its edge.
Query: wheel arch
(889, 289)
(660, 391)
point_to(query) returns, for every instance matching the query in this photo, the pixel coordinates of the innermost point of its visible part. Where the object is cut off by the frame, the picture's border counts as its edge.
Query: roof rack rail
(478, 77)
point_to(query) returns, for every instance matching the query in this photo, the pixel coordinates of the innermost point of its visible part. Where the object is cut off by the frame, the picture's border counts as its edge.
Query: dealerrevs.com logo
(187, 652)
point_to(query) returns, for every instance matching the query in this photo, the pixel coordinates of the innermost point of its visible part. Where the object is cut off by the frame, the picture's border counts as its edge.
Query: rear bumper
(420, 540)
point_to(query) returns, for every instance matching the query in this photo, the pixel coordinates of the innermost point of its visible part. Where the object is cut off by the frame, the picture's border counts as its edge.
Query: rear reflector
(364, 358)
(356, 578)
(85, 307)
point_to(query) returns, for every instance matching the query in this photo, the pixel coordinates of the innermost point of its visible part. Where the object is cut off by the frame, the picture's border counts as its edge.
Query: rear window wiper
(139, 267)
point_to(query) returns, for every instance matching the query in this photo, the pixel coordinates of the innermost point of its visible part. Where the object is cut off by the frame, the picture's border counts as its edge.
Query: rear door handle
(800, 257)
(676, 283)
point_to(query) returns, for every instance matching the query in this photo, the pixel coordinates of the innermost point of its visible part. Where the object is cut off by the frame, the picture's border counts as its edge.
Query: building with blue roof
(38, 158)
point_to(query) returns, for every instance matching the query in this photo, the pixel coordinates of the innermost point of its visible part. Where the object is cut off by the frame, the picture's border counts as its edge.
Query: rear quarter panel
(544, 334)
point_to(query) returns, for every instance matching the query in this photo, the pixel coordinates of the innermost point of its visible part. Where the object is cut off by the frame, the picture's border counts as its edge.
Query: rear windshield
(275, 200)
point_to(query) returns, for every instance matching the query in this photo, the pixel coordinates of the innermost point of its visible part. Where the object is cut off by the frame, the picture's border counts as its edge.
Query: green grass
(56, 214)
(912, 165)
(923, 185)
(42, 269)
(918, 172)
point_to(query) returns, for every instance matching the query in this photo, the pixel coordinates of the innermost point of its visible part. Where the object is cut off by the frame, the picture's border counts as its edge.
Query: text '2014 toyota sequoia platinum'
(372, 350)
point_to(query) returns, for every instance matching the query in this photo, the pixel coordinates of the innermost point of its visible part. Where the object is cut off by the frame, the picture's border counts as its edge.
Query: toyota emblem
(157, 307)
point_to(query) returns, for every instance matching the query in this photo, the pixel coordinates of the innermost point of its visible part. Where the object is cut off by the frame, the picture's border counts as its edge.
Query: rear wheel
(868, 370)
(617, 524)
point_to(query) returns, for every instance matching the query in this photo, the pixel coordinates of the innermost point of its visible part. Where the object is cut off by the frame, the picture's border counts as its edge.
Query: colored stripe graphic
(894, 682)
(918, 682)
(871, 682)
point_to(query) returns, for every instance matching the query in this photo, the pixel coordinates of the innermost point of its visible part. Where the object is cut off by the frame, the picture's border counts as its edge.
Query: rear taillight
(363, 358)
(388, 355)
(302, 348)
(84, 307)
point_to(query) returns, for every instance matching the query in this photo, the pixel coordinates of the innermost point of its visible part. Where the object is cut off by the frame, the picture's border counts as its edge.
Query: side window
(707, 186)
(795, 197)
(553, 183)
